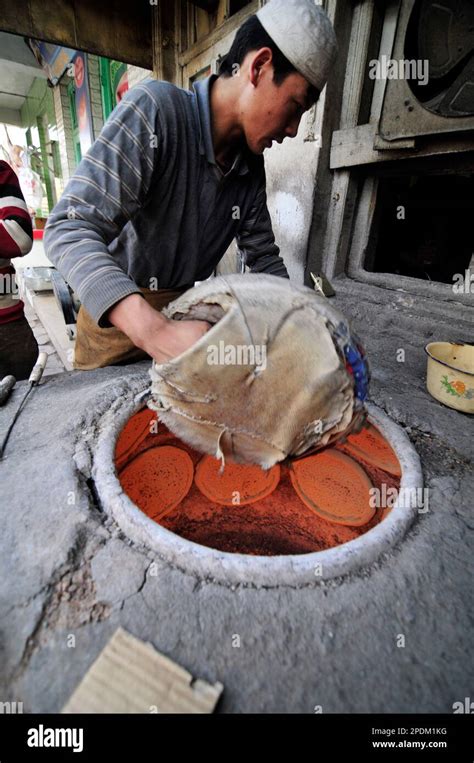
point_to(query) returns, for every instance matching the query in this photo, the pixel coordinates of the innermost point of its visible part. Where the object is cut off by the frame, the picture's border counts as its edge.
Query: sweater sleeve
(255, 239)
(16, 233)
(108, 187)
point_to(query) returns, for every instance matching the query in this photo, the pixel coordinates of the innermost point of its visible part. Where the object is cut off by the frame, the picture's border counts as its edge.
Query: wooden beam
(231, 25)
(330, 227)
(355, 147)
(113, 28)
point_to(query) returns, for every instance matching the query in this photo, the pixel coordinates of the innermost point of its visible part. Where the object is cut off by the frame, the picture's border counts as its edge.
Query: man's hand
(173, 338)
(148, 329)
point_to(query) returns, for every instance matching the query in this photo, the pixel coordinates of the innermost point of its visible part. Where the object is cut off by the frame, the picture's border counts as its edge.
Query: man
(174, 177)
(18, 347)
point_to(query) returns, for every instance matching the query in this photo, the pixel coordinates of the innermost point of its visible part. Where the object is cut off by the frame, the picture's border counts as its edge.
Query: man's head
(273, 95)
(281, 59)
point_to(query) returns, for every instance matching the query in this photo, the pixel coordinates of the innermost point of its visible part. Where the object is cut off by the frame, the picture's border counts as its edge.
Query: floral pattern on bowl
(457, 388)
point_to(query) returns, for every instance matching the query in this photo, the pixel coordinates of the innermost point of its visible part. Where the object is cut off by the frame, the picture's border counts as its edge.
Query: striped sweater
(148, 205)
(15, 241)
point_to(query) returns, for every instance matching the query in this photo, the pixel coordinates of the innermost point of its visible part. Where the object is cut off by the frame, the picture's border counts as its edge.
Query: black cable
(20, 408)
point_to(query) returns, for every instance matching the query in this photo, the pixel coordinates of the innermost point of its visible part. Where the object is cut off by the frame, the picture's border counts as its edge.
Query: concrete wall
(291, 173)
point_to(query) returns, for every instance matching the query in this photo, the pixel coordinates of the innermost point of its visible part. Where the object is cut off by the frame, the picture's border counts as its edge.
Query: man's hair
(252, 36)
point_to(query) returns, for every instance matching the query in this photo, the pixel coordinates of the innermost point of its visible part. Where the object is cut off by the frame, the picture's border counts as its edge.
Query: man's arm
(148, 329)
(256, 241)
(109, 186)
(16, 234)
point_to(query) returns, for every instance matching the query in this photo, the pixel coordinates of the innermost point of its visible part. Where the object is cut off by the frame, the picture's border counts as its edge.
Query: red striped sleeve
(16, 233)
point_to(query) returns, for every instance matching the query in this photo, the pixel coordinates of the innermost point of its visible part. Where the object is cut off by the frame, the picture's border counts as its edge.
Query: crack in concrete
(27, 602)
(135, 593)
(64, 581)
(94, 495)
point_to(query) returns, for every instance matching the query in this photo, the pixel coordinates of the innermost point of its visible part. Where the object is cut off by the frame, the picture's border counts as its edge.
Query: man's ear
(258, 61)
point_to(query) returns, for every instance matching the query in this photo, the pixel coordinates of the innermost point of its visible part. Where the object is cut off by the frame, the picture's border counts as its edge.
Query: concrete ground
(54, 363)
(68, 571)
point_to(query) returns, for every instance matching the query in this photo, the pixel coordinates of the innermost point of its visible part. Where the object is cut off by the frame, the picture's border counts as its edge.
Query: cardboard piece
(131, 676)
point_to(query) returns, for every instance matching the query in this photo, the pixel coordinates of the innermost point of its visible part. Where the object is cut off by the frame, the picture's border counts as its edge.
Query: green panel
(110, 75)
(106, 87)
(117, 69)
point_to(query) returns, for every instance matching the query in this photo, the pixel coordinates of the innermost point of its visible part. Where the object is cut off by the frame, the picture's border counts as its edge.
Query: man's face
(271, 112)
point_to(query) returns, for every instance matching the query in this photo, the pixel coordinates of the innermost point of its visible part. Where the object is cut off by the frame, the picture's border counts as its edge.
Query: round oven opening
(310, 504)
(285, 526)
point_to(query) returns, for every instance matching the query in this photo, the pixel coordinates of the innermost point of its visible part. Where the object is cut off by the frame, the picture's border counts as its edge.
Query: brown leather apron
(99, 347)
